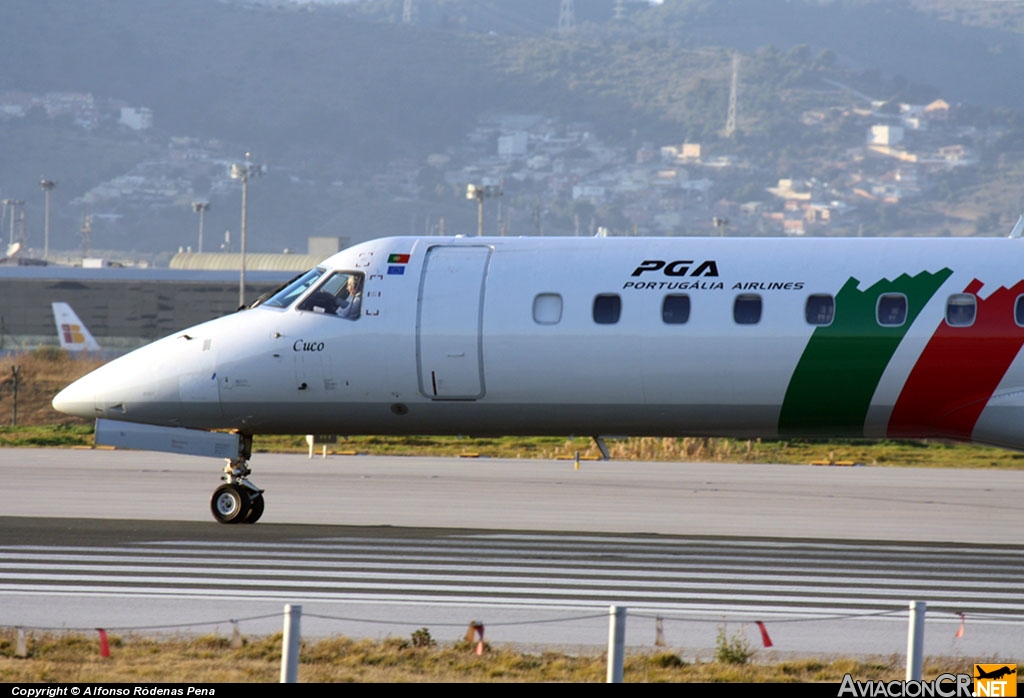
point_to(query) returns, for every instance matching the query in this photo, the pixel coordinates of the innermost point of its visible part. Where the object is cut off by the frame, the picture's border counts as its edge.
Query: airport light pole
(200, 207)
(12, 204)
(47, 186)
(243, 171)
(481, 192)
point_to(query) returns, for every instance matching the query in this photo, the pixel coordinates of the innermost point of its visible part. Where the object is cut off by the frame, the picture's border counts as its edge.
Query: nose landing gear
(238, 500)
(237, 504)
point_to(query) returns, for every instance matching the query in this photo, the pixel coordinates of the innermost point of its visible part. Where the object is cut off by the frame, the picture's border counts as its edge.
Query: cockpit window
(340, 295)
(263, 298)
(287, 295)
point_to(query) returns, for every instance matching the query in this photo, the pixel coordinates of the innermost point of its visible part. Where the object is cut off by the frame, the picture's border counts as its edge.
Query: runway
(826, 558)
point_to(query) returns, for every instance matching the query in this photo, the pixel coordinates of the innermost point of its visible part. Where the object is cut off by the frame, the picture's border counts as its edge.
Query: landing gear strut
(238, 500)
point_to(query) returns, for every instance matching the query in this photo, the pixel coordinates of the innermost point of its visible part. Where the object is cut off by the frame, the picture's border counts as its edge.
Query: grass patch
(74, 657)
(918, 453)
(50, 436)
(926, 453)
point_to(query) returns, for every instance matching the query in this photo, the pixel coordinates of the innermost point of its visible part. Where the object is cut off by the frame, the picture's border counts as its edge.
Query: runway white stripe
(513, 569)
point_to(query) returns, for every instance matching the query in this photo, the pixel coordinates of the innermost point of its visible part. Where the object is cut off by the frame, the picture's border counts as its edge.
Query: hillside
(346, 103)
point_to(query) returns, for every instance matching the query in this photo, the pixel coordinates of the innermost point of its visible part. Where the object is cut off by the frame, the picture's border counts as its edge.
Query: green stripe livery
(822, 400)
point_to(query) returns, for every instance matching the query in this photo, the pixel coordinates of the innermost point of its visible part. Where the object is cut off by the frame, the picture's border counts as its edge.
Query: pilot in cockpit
(354, 301)
(340, 295)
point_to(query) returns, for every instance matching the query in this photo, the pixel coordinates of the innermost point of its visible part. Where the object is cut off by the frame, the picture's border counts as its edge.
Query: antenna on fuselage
(1018, 229)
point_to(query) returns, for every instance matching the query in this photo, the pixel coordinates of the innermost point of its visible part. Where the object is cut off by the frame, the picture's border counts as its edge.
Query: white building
(587, 192)
(884, 134)
(512, 145)
(137, 119)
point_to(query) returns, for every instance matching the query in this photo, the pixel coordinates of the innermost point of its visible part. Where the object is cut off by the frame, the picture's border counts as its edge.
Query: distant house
(669, 153)
(669, 176)
(915, 123)
(884, 134)
(793, 226)
(686, 152)
(15, 104)
(691, 151)
(136, 118)
(953, 153)
(789, 189)
(80, 106)
(512, 145)
(912, 110)
(818, 213)
(587, 192)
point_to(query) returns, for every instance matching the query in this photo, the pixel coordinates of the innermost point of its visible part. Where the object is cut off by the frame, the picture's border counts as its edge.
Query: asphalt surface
(827, 558)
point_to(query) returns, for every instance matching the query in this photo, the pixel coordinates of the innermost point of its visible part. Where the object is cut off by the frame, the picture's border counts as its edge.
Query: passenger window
(961, 309)
(891, 310)
(820, 309)
(675, 309)
(547, 309)
(746, 310)
(1018, 311)
(607, 308)
(341, 295)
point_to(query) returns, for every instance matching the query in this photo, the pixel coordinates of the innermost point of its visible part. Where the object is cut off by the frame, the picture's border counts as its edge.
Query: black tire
(230, 504)
(256, 504)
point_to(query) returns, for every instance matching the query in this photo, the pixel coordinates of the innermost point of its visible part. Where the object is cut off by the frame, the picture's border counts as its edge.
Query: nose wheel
(238, 500)
(235, 503)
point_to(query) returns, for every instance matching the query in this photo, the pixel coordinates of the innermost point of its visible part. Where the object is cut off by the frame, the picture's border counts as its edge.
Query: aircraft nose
(78, 399)
(105, 391)
(171, 381)
(137, 380)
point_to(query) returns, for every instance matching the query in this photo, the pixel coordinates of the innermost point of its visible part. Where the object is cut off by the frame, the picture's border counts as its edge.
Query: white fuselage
(486, 336)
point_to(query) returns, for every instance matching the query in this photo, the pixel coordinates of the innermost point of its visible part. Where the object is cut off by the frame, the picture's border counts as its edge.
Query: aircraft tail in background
(72, 332)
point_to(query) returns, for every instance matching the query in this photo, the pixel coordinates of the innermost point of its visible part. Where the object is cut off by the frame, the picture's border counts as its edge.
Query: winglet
(72, 332)
(1018, 229)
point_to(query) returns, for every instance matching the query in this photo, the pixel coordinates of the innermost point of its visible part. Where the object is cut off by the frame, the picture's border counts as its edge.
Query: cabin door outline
(449, 319)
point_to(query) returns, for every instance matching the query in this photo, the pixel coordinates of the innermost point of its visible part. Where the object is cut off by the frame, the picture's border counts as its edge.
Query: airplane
(605, 336)
(995, 674)
(74, 336)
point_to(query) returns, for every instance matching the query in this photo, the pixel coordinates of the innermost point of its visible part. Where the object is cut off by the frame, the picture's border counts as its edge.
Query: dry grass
(42, 374)
(67, 658)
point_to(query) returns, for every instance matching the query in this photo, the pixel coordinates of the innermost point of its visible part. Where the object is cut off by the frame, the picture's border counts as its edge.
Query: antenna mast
(730, 121)
(566, 17)
(86, 231)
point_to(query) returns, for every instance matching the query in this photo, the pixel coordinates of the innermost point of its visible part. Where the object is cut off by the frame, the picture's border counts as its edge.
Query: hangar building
(126, 307)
